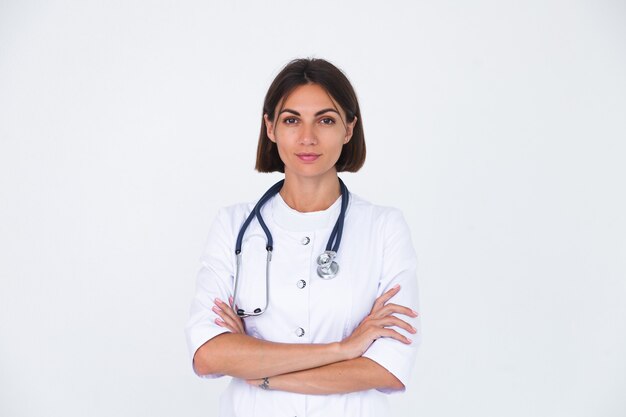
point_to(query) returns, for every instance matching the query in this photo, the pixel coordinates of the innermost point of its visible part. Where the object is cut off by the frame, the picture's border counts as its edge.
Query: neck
(310, 194)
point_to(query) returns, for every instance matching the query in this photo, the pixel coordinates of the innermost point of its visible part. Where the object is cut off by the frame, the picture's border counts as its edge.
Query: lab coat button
(305, 240)
(299, 332)
(301, 284)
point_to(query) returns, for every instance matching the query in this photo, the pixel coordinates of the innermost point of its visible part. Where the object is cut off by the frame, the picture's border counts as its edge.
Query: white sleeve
(399, 267)
(214, 280)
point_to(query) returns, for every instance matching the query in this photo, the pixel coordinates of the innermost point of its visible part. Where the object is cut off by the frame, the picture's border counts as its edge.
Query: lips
(308, 157)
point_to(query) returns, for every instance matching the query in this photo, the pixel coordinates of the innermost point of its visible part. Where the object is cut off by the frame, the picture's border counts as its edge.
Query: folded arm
(316, 368)
(246, 357)
(358, 374)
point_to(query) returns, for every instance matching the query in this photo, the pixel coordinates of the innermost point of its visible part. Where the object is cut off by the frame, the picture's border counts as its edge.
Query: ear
(349, 130)
(269, 126)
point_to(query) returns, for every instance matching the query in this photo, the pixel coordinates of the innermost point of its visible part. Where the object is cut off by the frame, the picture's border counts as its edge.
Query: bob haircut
(312, 71)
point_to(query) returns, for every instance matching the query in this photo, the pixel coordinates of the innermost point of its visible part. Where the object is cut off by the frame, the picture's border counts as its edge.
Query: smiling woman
(329, 340)
(322, 77)
(309, 140)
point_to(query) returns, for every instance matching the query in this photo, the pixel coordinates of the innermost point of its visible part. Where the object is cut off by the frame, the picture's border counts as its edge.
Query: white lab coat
(375, 254)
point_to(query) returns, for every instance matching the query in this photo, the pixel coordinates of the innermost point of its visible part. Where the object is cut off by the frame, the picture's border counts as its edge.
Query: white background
(498, 127)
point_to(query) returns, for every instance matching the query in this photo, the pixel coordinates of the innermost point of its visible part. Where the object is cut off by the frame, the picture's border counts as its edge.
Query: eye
(327, 121)
(290, 120)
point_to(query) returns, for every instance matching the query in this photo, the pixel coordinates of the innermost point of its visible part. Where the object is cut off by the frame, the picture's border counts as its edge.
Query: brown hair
(312, 71)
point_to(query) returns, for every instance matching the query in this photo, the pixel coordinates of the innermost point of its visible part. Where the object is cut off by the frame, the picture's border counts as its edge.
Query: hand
(228, 318)
(376, 324)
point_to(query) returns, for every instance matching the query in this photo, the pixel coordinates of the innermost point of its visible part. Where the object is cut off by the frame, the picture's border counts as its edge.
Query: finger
(233, 306)
(230, 324)
(232, 316)
(385, 332)
(223, 324)
(221, 313)
(225, 307)
(230, 321)
(394, 321)
(395, 308)
(238, 323)
(382, 300)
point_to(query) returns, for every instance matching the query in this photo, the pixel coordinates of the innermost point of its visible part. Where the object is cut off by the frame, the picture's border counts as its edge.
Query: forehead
(309, 97)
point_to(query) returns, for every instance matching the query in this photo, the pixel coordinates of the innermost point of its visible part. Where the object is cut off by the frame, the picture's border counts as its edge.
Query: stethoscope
(327, 268)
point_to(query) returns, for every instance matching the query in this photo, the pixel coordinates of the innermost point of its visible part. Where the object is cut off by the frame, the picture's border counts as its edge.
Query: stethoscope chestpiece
(327, 268)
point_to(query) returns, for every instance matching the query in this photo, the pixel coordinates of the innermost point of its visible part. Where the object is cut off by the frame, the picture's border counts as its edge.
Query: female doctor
(301, 335)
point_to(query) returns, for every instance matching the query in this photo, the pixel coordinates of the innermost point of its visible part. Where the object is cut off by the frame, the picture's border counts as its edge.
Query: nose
(308, 136)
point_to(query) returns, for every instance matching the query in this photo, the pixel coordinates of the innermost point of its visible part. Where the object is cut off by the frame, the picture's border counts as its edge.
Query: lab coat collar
(293, 220)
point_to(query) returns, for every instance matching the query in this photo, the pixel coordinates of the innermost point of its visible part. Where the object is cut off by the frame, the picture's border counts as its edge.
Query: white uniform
(375, 254)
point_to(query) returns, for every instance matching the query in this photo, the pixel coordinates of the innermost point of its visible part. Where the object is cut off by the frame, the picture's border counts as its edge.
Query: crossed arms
(306, 368)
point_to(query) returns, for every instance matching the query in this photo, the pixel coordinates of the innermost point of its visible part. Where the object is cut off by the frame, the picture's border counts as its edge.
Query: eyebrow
(316, 114)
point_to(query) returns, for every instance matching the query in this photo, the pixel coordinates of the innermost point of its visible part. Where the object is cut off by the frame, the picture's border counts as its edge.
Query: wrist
(341, 351)
(265, 383)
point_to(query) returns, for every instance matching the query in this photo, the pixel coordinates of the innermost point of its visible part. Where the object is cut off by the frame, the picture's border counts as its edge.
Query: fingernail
(219, 322)
(413, 329)
(216, 309)
(409, 340)
(395, 287)
(414, 312)
(217, 300)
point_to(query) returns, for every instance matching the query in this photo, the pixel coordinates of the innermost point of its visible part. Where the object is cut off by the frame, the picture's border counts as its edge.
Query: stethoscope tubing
(327, 268)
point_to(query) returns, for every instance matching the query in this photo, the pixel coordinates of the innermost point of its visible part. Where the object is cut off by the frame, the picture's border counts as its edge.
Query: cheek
(285, 133)
(282, 147)
(336, 141)
(336, 134)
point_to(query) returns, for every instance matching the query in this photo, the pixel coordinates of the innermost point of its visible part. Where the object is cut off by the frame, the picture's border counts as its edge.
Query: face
(310, 130)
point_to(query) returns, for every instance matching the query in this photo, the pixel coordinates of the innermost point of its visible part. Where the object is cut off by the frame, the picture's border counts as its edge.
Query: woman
(325, 337)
